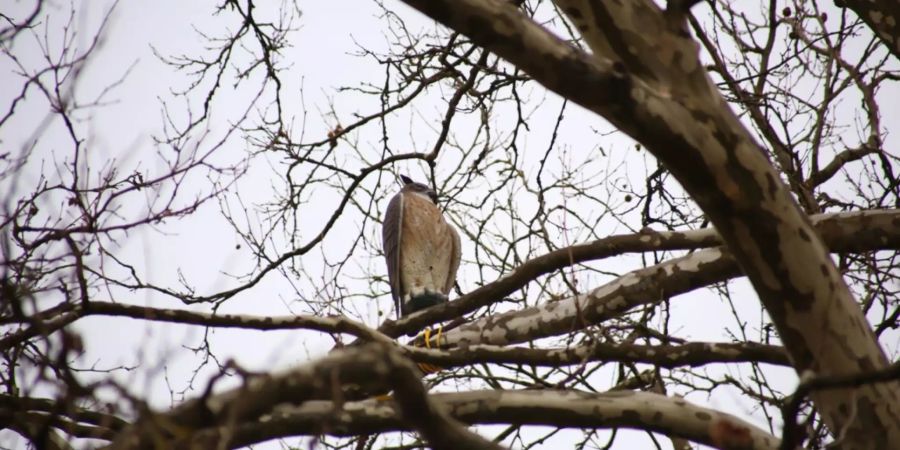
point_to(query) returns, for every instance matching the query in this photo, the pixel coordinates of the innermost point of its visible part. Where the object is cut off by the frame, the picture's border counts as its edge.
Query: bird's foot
(437, 340)
(425, 367)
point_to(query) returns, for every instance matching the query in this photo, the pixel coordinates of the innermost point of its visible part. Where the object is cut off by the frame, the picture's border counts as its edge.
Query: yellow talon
(425, 367)
(437, 340)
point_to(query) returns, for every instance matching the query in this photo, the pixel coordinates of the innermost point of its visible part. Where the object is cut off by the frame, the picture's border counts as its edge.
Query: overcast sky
(203, 248)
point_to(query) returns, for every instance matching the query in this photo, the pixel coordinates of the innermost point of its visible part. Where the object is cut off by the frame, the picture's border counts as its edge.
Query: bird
(421, 249)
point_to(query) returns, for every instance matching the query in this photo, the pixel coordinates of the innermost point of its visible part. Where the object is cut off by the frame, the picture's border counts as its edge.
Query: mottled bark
(613, 299)
(647, 80)
(882, 16)
(668, 356)
(279, 405)
(362, 365)
(855, 232)
(427, 416)
(814, 87)
(629, 409)
(373, 366)
(842, 232)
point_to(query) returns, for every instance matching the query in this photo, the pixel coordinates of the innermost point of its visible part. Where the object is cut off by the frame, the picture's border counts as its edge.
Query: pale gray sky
(203, 247)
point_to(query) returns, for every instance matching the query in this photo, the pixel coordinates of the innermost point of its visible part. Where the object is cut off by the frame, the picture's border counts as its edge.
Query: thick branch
(867, 231)
(430, 418)
(683, 120)
(842, 232)
(668, 356)
(809, 382)
(210, 422)
(629, 409)
(882, 16)
(639, 287)
(364, 366)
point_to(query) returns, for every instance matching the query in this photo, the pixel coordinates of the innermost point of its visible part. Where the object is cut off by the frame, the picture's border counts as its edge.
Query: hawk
(421, 249)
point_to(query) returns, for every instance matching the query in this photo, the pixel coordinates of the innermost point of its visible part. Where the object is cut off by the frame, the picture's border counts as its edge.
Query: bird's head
(418, 188)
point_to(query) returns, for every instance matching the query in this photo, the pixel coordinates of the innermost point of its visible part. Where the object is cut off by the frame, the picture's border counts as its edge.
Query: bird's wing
(391, 229)
(455, 254)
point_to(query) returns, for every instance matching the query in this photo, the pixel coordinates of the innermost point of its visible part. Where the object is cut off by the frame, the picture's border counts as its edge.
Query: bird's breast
(426, 247)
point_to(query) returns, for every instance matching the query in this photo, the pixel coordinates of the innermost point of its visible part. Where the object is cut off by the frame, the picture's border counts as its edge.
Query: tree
(761, 149)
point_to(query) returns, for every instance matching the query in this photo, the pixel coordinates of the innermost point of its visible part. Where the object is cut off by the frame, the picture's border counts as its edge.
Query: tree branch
(843, 232)
(628, 409)
(216, 420)
(809, 382)
(882, 16)
(665, 100)
(669, 356)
